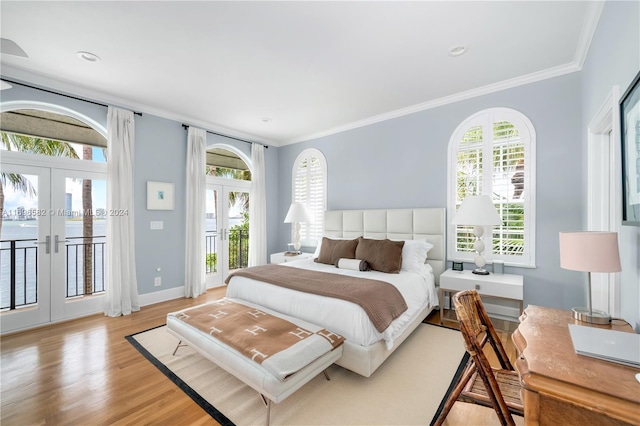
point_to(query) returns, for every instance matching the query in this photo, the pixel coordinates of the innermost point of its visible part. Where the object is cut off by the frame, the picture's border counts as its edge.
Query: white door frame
(52, 303)
(604, 192)
(223, 186)
(31, 316)
(61, 307)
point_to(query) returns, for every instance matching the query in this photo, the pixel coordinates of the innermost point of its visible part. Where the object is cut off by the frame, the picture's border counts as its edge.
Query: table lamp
(479, 211)
(297, 213)
(590, 251)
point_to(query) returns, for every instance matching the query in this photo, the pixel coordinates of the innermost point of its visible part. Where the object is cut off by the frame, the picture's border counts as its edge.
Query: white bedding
(345, 318)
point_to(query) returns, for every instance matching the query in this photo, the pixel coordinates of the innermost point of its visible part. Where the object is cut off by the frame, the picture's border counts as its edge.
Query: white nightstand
(503, 286)
(282, 257)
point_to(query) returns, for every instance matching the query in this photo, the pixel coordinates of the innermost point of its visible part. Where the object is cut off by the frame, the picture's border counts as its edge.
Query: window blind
(309, 188)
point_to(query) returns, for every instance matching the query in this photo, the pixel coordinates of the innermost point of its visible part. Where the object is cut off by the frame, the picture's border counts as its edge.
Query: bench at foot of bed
(270, 379)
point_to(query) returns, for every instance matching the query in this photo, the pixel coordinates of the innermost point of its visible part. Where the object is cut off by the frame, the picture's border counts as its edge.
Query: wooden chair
(480, 383)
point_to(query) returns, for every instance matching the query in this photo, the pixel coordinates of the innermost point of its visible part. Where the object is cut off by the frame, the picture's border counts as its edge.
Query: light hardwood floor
(84, 372)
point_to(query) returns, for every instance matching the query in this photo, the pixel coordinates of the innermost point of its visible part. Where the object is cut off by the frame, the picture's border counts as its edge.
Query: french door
(227, 236)
(53, 238)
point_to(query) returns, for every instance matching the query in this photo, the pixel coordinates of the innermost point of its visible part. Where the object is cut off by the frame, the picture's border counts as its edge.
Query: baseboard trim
(161, 296)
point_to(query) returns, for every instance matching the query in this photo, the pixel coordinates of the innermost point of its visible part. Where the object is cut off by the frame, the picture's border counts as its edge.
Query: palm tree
(19, 183)
(87, 225)
(32, 145)
(234, 197)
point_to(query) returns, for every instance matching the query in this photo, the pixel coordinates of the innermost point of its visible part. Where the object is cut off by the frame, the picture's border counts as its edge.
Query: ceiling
(283, 72)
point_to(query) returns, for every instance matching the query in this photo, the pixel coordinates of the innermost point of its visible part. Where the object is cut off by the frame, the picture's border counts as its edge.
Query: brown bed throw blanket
(380, 300)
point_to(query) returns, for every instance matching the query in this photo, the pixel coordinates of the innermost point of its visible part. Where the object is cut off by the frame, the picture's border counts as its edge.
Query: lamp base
(480, 271)
(591, 316)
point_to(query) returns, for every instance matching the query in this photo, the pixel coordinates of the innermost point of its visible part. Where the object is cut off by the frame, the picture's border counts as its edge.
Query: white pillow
(353, 264)
(414, 254)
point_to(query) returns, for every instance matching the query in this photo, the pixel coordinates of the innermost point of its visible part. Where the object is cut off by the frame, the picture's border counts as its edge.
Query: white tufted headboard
(399, 224)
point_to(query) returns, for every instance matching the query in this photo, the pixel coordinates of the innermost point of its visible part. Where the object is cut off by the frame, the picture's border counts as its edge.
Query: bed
(365, 348)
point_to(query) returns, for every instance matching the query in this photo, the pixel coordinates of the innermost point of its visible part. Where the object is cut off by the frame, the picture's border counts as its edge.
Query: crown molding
(589, 27)
(484, 90)
(586, 36)
(73, 89)
(588, 30)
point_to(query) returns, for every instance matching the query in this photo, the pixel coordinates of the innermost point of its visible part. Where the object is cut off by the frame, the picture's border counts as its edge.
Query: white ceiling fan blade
(9, 47)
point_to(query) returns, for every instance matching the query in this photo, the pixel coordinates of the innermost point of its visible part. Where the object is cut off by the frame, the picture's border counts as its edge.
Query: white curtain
(257, 209)
(194, 276)
(121, 291)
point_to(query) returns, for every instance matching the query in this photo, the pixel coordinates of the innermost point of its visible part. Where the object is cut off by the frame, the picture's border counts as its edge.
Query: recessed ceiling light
(457, 50)
(266, 120)
(88, 56)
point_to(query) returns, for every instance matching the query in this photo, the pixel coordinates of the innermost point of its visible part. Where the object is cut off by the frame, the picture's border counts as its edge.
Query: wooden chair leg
(453, 397)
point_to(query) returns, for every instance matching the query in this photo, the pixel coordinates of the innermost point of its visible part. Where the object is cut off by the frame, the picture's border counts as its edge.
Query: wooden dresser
(561, 387)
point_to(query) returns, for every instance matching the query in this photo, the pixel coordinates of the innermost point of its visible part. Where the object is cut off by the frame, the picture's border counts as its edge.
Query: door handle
(58, 241)
(47, 241)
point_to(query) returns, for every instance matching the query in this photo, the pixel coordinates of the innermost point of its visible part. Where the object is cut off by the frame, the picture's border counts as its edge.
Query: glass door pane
(238, 227)
(212, 237)
(226, 230)
(25, 247)
(85, 221)
(79, 237)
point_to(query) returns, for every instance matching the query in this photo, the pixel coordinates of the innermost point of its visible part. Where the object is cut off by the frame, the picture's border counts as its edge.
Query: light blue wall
(614, 59)
(160, 155)
(402, 163)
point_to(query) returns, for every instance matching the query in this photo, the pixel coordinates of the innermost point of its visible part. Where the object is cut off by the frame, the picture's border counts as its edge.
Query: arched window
(310, 188)
(493, 153)
(54, 134)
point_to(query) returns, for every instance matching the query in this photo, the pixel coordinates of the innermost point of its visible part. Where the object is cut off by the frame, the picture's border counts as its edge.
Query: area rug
(407, 389)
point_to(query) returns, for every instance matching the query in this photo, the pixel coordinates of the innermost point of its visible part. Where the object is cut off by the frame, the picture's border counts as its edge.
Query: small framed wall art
(159, 195)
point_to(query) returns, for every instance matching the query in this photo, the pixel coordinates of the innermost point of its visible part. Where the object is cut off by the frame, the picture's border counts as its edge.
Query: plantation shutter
(508, 186)
(309, 188)
(469, 169)
(492, 155)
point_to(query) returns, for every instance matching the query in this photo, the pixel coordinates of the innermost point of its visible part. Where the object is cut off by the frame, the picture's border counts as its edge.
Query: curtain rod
(60, 94)
(186, 126)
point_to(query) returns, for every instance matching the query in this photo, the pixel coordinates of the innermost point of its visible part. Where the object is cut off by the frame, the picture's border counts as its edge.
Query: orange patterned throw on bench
(277, 344)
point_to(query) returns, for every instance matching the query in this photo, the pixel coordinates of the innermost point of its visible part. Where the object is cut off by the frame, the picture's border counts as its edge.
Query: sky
(15, 199)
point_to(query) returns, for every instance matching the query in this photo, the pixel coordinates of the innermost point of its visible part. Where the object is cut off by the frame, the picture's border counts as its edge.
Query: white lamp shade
(477, 210)
(297, 213)
(589, 251)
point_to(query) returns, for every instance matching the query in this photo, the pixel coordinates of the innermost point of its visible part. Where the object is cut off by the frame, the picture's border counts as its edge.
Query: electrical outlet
(157, 281)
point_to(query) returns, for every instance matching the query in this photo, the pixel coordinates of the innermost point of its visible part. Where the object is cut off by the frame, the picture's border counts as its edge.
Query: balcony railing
(19, 271)
(85, 278)
(211, 238)
(238, 250)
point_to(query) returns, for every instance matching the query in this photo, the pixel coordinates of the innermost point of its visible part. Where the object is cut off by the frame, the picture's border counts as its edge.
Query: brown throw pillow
(381, 255)
(332, 250)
